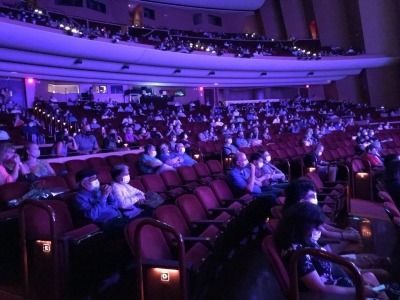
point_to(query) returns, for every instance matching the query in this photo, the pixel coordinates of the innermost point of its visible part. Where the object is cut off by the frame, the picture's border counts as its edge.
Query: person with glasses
(95, 203)
(301, 227)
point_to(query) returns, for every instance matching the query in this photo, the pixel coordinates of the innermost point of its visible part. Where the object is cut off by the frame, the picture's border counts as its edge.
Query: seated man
(241, 179)
(97, 204)
(86, 141)
(148, 162)
(371, 154)
(183, 158)
(270, 169)
(228, 147)
(313, 159)
(241, 141)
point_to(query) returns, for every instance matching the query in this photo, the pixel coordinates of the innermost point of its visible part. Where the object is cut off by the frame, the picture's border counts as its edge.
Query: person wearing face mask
(86, 142)
(261, 179)
(95, 203)
(183, 159)
(130, 200)
(228, 147)
(112, 141)
(242, 180)
(34, 167)
(10, 163)
(149, 164)
(269, 169)
(299, 228)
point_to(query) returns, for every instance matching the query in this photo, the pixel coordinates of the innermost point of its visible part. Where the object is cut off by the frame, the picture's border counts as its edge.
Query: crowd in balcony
(236, 44)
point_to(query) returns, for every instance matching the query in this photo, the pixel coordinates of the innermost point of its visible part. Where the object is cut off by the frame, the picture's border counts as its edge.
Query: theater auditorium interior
(181, 149)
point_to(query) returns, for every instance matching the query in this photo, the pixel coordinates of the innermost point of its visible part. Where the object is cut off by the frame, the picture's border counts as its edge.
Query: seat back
(171, 215)
(153, 182)
(75, 165)
(190, 208)
(95, 162)
(43, 224)
(171, 178)
(206, 197)
(201, 170)
(114, 160)
(214, 166)
(59, 168)
(187, 174)
(269, 247)
(12, 190)
(221, 190)
(137, 184)
(385, 196)
(53, 183)
(146, 240)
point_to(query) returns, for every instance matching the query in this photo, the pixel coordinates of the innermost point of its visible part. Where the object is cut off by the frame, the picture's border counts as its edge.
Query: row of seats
(210, 220)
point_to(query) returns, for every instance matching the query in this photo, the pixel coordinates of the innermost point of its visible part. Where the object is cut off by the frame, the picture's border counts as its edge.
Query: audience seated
(33, 167)
(149, 164)
(97, 204)
(301, 227)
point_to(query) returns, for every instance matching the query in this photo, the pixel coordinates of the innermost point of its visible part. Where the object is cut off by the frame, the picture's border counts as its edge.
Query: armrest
(164, 263)
(218, 223)
(83, 233)
(8, 215)
(191, 240)
(223, 209)
(241, 201)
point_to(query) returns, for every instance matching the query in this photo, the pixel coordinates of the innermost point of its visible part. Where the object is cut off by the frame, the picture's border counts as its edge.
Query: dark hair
(117, 171)
(297, 222)
(255, 156)
(148, 147)
(296, 190)
(182, 135)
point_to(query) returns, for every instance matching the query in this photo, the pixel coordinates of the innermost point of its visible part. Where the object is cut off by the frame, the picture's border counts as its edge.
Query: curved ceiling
(229, 5)
(32, 51)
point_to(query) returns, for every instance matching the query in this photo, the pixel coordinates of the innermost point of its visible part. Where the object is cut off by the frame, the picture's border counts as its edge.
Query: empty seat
(188, 175)
(48, 236)
(114, 160)
(173, 182)
(216, 168)
(75, 165)
(59, 168)
(11, 191)
(146, 239)
(154, 182)
(98, 163)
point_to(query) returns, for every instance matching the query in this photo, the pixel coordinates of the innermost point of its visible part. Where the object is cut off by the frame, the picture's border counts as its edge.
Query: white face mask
(126, 178)
(153, 153)
(95, 184)
(260, 165)
(314, 201)
(181, 150)
(268, 158)
(315, 235)
(229, 141)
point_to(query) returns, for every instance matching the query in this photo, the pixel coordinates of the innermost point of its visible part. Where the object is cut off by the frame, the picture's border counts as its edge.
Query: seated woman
(130, 200)
(166, 157)
(300, 227)
(63, 143)
(10, 163)
(34, 167)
